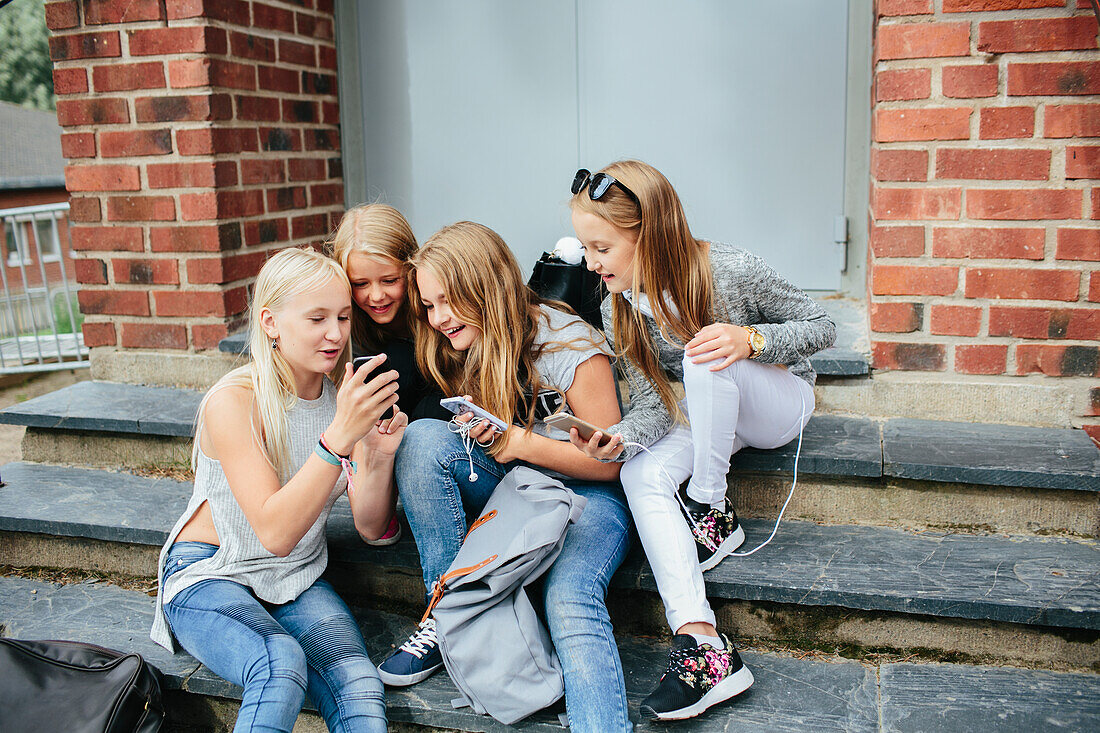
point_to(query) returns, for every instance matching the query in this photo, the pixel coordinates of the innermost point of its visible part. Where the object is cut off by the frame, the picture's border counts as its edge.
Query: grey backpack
(494, 646)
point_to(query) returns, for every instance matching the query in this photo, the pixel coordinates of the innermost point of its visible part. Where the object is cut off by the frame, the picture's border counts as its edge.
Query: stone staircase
(928, 576)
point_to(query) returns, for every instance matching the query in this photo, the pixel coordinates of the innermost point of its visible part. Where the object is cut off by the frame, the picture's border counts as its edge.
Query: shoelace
(463, 429)
(423, 641)
(695, 518)
(677, 659)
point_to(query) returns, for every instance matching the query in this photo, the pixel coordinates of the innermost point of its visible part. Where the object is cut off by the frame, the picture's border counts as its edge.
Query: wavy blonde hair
(378, 231)
(485, 289)
(667, 259)
(286, 275)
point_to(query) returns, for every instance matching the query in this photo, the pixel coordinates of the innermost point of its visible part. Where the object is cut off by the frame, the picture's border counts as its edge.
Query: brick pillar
(984, 159)
(201, 136)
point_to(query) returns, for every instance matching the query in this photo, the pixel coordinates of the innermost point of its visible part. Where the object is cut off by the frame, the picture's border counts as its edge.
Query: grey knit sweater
(747, 292)
(241, 557)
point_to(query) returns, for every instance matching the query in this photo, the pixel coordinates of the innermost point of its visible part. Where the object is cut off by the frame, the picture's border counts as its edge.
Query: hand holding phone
(381, 368)
(563, 421)
(460, 406)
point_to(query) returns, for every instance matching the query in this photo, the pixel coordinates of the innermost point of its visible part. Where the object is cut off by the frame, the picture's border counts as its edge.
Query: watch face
(757, 340)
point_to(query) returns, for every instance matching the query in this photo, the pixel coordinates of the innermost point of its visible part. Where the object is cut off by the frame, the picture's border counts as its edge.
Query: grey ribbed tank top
(241, 557)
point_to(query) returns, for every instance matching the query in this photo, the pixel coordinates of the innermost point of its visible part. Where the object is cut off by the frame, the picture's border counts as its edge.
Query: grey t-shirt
(558, 365)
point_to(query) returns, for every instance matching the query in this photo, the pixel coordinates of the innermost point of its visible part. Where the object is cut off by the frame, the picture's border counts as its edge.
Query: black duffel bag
(52, 686)
(575, 285)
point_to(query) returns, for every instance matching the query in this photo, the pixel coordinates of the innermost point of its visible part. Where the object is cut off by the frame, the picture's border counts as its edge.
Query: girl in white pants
(739, 337)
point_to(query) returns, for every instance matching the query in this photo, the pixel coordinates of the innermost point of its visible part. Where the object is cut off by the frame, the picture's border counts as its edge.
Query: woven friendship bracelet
(331, 456)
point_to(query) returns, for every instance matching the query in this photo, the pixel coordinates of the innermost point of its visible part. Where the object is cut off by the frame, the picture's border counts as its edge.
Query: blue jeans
(277, 653)
(433, 477)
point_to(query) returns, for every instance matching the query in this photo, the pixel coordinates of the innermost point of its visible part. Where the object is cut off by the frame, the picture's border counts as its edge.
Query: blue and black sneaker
(416, 660)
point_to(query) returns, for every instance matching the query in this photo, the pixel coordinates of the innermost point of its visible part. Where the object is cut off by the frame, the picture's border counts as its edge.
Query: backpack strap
(441, 585)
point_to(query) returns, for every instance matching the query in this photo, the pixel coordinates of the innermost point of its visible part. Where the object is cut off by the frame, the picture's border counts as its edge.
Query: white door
(483, 109)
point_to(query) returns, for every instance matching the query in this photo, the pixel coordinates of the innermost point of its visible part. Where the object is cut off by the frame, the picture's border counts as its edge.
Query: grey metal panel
(471, 114)
(741, 105)
(483, 109)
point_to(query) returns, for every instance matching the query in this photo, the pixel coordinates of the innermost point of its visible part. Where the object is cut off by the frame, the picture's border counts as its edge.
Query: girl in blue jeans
(482, 333)
(276, 444)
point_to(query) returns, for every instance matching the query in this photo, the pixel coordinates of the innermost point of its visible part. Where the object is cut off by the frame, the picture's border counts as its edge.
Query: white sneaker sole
(386, 541)
(732, 686)
(730, 544)
(404, 680)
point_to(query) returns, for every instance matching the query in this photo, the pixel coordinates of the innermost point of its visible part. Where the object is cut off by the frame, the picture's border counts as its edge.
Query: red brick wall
(201, 135)
(984, 244)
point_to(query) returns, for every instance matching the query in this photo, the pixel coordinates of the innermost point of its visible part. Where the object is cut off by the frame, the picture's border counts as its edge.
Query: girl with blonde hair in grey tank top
(276, 444)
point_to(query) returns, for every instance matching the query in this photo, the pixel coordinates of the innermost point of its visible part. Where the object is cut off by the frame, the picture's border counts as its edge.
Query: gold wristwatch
(757, 342)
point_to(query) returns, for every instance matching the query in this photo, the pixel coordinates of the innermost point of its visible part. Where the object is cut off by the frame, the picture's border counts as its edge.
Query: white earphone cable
(790, 494)
(463, 429)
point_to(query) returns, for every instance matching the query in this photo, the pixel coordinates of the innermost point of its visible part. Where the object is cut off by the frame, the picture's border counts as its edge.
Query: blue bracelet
(325, 455)
(336, 460)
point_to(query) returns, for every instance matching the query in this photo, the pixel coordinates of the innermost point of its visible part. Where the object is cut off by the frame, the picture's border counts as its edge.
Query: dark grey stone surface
(96, 613)
(840, 362)
(999, 455)
(831, 445)
(944, 697)
(235, 344)
(1026, 580)
(108, 406)
(789, 694)
(83, 502)
(1039, 581)
(1036, 581)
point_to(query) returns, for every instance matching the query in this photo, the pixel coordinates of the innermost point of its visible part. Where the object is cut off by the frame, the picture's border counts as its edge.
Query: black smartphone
(383, 367)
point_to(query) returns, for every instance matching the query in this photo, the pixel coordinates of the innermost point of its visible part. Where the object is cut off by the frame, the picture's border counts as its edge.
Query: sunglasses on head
(597, 184)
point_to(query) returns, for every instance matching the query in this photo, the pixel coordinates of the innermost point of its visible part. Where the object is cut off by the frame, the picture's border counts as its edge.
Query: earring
(274, 344)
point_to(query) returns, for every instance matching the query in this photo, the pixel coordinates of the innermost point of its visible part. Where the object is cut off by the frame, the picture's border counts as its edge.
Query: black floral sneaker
(416, 660)
(698, 677)
(717, 531)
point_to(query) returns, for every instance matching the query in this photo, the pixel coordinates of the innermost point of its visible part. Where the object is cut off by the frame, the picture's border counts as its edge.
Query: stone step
(987, 597)
(790, 694)
(900, 472)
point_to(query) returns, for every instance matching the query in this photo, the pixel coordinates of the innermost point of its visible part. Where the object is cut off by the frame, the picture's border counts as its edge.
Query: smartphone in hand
(563, 421)
(383, 367)
(460, 406)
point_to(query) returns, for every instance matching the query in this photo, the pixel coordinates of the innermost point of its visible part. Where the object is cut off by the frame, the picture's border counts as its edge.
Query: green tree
(26, 72)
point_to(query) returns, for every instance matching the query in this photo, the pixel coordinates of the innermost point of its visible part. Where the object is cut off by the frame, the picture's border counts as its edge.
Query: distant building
(36, 240)
(32, 169)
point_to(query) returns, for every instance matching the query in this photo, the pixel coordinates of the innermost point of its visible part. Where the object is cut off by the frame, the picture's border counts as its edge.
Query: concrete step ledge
(789, 694)
(1020, 580)
(960, 453)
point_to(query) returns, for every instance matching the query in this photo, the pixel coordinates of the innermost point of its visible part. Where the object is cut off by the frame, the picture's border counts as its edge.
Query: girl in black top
(374, 244)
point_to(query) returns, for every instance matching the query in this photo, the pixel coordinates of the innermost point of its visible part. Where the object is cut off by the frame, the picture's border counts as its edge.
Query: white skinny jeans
(747, 403)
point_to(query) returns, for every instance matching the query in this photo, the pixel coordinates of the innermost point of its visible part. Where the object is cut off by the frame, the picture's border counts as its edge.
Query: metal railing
(39, 317)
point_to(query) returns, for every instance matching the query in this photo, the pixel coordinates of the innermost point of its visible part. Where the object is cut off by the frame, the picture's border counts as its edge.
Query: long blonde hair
(485, 289)
(289, 273)
(378, 231)
(667, 259)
